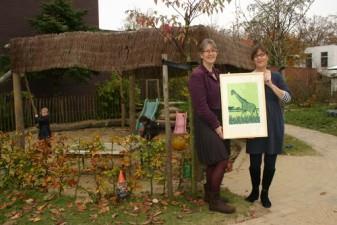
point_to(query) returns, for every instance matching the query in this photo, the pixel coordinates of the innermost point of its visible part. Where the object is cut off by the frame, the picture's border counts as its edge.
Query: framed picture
(243, 105)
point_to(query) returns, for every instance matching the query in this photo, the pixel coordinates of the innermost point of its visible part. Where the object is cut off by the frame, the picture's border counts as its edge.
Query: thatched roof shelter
(116, 51)
(121, 51)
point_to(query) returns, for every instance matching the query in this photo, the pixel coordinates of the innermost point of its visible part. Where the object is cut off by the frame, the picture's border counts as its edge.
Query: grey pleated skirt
(209, 146)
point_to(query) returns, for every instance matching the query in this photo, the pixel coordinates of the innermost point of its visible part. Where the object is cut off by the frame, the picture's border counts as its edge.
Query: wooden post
(194, 158)
(132, 104)
(19, 123)
(167, 131)
(123, 112)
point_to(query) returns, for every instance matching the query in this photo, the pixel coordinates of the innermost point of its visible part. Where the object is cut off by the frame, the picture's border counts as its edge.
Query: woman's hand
(229, 166)
(267, 78)
(218, 131)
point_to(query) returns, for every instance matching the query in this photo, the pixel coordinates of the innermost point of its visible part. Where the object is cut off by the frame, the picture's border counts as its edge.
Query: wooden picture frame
(243, 105)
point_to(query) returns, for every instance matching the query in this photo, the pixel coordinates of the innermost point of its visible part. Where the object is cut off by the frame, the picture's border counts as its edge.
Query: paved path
(304, 189)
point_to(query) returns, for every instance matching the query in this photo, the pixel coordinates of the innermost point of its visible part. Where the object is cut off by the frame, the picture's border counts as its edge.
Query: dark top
(151, 129)
(205, 94)
(44, 127)
(275, 122)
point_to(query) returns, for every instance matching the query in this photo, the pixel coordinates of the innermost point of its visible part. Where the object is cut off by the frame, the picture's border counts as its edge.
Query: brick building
(14, 15)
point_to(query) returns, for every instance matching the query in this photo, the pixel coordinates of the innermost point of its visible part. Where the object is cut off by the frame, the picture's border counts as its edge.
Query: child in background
(149, 129)
(43, 124)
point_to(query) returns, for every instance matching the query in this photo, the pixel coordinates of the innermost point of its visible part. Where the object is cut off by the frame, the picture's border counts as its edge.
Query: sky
(112, 14)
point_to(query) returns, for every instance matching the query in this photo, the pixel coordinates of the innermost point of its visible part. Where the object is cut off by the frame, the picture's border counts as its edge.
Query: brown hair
(256, 49)
(207, 41)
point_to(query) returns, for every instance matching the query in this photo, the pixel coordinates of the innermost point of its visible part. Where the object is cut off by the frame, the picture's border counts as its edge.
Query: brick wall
(14, 16)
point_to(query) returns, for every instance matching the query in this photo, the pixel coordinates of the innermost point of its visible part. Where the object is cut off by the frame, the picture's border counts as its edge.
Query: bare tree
(318, 30)
(273, 22)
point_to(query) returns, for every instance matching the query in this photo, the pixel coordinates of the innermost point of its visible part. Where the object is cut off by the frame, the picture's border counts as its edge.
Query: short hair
(256, 48)
(144, 119)
(207, 41)
(44, 108)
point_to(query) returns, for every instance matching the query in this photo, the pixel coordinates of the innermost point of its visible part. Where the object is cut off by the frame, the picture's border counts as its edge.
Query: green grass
(296, 147)
(183, 210)
(314, 117)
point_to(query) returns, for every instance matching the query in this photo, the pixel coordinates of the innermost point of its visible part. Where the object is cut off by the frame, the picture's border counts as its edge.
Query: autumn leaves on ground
(48, 185)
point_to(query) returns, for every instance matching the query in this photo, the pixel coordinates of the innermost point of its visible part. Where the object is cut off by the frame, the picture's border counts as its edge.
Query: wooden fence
(62, 109)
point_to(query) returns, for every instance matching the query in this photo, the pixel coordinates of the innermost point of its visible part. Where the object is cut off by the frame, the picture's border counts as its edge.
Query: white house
(324, 59)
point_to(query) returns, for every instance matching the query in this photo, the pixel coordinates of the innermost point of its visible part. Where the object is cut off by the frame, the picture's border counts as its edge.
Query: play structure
(149, 110)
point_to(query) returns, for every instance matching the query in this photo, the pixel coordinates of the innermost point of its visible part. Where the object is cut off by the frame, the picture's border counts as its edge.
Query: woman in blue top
(276, 91)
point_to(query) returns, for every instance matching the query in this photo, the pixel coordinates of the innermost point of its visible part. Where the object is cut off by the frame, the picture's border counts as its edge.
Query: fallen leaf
(3, 206)
(15, 215)
(135, 209)
(175, 203)
(93, 217)
(10, 222)
(104, 210)
(157, 213)
(148, 203)
(27, 208)
(35, 219)
(61, 223)
(163, 202)
(29, 201)
(70, 205)
(147, 222)
(49, 197)
(42, 207)
(81, 206)
(55, 212)
(131, 214)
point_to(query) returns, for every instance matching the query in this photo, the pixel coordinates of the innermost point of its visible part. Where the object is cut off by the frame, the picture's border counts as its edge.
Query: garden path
(304, 190)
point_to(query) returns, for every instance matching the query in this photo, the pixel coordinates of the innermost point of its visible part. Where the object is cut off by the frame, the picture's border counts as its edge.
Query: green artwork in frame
(243, 103)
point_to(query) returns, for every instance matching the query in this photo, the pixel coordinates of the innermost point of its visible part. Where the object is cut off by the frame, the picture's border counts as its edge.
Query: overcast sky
(112, 14)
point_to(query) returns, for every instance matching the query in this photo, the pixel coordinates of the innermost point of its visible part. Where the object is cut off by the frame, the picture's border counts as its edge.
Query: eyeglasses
(260, 55)
(209, 51)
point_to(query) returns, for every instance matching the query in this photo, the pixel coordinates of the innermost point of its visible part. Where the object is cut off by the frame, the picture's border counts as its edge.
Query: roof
(121, 51)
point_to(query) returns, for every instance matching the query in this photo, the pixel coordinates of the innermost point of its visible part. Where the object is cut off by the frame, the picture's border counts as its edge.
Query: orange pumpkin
(179, 142)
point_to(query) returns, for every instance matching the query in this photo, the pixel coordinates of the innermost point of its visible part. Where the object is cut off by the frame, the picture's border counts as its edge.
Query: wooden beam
(167, 131)
(19, 122)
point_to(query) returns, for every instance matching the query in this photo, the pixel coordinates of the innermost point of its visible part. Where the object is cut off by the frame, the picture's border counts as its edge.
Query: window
(324, 59)
(308, 61)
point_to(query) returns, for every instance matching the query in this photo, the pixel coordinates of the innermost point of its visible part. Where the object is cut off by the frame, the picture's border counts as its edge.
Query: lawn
(32, 207)
(295, 147)
(314, 117)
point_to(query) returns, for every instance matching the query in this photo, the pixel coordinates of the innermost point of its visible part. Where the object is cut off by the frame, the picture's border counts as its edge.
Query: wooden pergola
(129, 53)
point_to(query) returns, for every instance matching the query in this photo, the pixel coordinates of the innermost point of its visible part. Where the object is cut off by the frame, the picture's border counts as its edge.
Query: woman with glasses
(276, 92)
(212, 149)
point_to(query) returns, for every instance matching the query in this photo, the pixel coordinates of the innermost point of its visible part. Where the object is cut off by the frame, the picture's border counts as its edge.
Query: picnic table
(109, 150)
